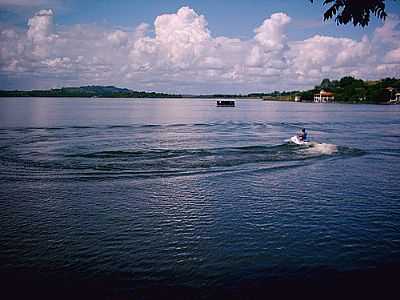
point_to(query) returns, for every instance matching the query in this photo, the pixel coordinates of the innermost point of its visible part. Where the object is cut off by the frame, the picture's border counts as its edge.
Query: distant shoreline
(169, 97)
(347, 90)
(206, 98)
(113, 92)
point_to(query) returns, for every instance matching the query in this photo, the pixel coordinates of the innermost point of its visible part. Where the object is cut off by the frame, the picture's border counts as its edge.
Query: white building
(324, 97)
(395, 99)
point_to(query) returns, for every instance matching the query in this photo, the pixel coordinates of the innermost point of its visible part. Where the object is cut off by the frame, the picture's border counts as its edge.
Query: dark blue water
(136, 197)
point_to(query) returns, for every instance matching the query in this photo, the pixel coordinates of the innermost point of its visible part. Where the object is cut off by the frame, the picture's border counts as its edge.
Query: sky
(189, 47)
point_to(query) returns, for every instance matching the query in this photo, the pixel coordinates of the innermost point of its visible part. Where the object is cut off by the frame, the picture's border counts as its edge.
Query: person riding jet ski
(302, 135)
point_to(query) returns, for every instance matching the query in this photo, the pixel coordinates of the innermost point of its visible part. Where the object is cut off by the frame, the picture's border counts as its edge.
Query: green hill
(87, 92)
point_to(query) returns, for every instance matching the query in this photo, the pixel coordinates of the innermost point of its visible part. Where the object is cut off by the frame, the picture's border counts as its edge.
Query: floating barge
(226, 103)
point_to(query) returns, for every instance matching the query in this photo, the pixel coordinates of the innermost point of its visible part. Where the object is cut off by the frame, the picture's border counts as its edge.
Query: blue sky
(235, 18)
(229, 19)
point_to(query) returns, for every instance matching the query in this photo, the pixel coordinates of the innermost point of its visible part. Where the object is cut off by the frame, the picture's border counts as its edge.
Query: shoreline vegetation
(346, 90)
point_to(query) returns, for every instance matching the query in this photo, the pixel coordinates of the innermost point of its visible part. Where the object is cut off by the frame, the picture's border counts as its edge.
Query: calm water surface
(134, 195)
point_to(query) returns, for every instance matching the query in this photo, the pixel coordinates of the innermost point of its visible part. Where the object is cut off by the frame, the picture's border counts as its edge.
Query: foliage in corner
(356, 11)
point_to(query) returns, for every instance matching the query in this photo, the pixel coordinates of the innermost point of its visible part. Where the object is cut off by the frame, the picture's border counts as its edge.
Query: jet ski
(296, 140)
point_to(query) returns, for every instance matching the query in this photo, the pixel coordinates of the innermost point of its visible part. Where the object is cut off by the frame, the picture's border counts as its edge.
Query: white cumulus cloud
(179, 54)
(40, 32)
(393, 56)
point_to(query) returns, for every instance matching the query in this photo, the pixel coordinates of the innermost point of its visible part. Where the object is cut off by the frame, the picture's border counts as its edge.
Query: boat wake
(128, 162)
(323, 148)
(315, 147)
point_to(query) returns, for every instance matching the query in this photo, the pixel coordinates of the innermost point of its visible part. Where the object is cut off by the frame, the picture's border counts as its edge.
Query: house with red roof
(324, 97)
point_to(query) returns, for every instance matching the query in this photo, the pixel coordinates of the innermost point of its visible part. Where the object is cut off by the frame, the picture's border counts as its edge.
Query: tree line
(352, 90)
(87, 92)
(347, 89)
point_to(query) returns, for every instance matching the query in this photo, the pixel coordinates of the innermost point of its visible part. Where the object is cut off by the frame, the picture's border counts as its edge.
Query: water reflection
(149, 194)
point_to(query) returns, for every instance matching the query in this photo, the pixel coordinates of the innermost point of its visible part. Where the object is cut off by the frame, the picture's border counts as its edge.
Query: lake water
(140, 197)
